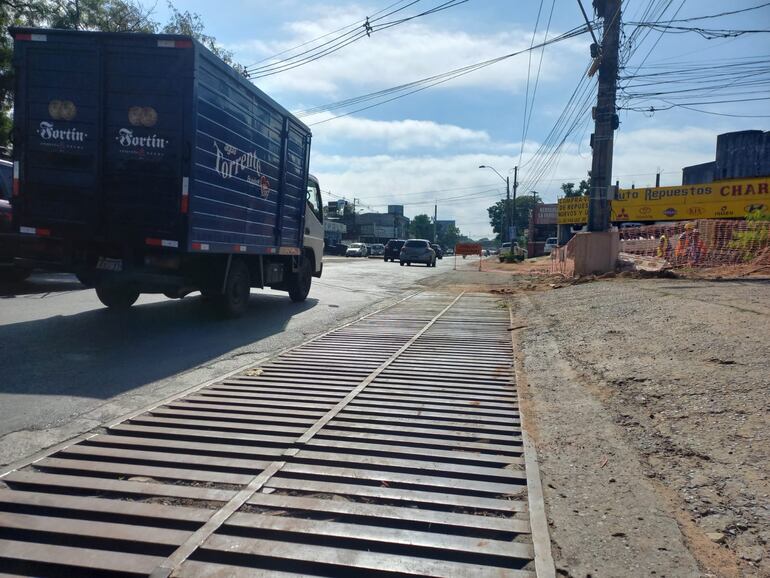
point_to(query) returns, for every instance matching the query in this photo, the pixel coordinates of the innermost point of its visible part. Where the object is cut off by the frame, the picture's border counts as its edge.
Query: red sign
(467, 249)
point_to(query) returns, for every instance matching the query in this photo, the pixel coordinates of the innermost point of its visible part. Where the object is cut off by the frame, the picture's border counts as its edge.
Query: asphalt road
(67, 364)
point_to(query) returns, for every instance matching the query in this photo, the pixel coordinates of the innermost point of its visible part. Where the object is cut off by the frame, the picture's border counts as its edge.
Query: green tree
(520, 215)
(13, 13)
(448, 236)
(755, 238)
(191, 24)
(421, 227)
(103, 15)
(583, 189)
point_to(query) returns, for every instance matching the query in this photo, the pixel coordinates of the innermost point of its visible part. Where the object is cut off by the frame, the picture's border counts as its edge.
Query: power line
(424, 83)
(356, 24)
(710, 16)
(707, 33)
(537, 81)
(529, 70)
(343, 40)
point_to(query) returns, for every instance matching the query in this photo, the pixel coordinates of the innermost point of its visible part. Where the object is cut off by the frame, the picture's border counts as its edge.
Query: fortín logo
(126, 138)
(48, 131)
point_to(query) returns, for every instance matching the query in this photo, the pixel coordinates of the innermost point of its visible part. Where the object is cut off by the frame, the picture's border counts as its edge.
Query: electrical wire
(355, 24)
(707, 33)
(422, 84)
(528, 118)
(343, 40)
(710, 16)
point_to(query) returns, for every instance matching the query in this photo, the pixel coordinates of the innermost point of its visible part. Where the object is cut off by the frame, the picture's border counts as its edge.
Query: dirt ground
(648, 402)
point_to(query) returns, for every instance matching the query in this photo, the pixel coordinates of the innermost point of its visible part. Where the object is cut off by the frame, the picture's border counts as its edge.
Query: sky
(425, 148)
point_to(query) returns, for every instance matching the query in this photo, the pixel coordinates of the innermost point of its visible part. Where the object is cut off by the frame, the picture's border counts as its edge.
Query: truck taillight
(185, 204)
(175, 44)
(16, 178)
(32, 37)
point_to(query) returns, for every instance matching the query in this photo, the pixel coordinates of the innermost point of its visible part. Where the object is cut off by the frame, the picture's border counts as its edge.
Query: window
(314, 199)
(421, 244)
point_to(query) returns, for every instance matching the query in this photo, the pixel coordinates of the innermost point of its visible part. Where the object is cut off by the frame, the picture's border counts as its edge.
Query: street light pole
(507, 219)
(505, 216)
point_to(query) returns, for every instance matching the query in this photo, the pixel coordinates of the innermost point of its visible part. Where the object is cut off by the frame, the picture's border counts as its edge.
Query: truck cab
(314, 226)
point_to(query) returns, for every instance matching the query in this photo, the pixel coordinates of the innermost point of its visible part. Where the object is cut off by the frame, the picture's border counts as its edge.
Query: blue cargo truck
(145, 164)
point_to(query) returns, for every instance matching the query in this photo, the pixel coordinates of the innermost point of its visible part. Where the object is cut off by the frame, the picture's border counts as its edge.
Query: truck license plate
(107, 264)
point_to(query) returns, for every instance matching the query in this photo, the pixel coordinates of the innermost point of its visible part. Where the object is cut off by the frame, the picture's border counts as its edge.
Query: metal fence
(703, 243)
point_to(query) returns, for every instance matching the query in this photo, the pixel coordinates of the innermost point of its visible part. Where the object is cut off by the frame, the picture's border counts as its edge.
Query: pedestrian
(689, 247)
(664, 247)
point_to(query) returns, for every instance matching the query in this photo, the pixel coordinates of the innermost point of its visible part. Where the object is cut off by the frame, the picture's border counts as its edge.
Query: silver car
(417, 251)
(356, 250)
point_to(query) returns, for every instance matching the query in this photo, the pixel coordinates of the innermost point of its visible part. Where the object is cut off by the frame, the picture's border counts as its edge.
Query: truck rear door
(147, 94)
(57, 131)
(104, 118)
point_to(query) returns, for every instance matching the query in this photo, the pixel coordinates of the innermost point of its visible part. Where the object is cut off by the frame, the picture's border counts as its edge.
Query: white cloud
(420, 180)
(397, 135)
(401, 54)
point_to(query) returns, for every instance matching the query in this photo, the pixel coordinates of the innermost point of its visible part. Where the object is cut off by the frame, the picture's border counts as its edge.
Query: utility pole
(435, 222)
(605, 117)
(515, 212)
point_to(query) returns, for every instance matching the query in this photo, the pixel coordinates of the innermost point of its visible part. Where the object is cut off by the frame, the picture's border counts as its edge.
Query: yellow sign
(572, 210)
(718, 200)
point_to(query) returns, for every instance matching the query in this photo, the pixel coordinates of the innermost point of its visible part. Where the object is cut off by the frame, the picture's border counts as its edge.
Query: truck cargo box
(151, 140)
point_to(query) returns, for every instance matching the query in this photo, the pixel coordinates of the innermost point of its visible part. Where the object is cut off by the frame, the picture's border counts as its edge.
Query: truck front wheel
(117, 296)
(299, 286)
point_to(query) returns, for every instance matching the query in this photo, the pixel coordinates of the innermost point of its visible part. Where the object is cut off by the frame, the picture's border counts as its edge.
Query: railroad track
(388, 447)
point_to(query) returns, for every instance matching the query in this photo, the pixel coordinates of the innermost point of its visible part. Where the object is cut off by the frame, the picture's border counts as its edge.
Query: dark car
(439, 251)
(9, 240)
(393, 249)
(339, 249)
(417, 251)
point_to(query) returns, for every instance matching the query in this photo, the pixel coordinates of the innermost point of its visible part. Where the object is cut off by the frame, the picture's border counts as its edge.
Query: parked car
(376, 250)
(439, 251)
(505, 250)
(356, 250)
(340, 249)
(9, 239)
(512, 249)
(393, 249)
(417, 251)
(550, 244)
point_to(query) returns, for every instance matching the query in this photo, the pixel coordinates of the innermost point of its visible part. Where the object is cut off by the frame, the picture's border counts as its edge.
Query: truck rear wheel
(299, 286)
(14, 274)
(117, 296)
(234, 301)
